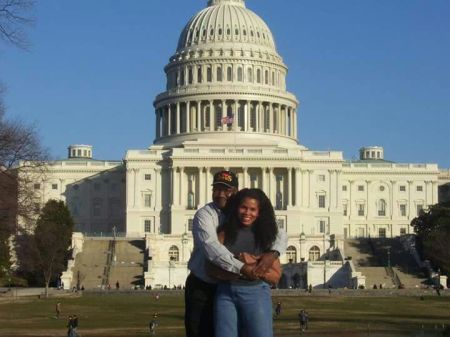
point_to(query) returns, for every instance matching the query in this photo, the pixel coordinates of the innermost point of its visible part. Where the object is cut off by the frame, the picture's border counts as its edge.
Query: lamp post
(184, 242)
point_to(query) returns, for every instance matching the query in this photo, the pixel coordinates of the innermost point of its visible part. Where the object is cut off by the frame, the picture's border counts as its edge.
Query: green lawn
(128, 315)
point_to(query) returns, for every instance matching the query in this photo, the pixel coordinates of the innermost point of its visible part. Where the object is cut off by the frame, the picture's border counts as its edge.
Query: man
(200, 288)
(303, 319)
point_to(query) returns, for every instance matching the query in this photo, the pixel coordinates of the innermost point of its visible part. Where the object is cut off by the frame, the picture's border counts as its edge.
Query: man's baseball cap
(226, 178)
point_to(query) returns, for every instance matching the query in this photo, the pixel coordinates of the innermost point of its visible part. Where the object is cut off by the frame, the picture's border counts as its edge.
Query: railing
(104, 234)
(109, 259)
(393, 275)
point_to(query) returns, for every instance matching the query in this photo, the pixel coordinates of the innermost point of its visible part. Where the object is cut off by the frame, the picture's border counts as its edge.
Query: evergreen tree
(433, 231)
(52, 239)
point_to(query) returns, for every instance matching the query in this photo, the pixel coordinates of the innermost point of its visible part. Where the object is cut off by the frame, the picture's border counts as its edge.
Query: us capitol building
(226, 106)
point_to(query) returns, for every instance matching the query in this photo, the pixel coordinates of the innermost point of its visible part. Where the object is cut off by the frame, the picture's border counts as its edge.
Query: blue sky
(367, 72)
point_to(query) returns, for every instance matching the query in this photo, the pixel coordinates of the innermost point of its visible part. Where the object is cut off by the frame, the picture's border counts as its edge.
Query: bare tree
(14, 17)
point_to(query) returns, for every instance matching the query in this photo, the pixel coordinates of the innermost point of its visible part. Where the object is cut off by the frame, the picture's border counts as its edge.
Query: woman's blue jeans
(243, 311)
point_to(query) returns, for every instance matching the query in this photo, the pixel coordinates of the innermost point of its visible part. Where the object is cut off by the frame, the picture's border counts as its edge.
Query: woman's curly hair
(265, 227)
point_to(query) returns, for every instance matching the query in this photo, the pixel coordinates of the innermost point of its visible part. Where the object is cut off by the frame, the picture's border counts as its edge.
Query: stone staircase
(127, 267)
(90, 264)
(372, 257)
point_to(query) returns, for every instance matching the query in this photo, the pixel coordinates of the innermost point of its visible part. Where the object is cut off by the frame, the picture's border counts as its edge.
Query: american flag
(227, 119)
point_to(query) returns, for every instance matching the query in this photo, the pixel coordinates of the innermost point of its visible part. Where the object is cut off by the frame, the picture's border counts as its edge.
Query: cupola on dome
(226, 21)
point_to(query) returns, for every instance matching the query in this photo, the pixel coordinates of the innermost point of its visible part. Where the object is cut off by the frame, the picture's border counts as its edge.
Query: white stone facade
(226, 106)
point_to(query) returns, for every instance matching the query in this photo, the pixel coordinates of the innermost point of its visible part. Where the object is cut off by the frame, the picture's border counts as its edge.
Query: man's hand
(264, 263)
(249, 272)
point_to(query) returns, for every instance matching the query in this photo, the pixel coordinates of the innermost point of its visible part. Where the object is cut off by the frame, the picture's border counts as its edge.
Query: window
(199, 75)
(361, 210)
(280, 223)
(249, 75)
(321, 177)
(190, 75)
(419, 209)
(321, 201)
(403, 209)
(229, 74)
(253, 180)
(240, 76)
(190, 224)
(148, 200)
(148, 177)
(314, 253)
(381, 207)
(258, 76)
(382, 188)
(360, 188)
(403, 231)
(291, 254)
(219, 74)
(37, 186)
(174, 253)
(148, 226)
(209, 74)
(322, 225)
(345, 209)
(54, 186)
(191, 200)
(97, 207)
(344, 188)
(266, 77)
(419, 188)
(402, 188)
(381, 232)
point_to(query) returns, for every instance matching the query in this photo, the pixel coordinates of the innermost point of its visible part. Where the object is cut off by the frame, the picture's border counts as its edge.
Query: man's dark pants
(199, 307)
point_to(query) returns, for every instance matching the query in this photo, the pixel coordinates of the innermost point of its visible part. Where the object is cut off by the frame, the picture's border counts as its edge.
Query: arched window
(182, 77)
(314, 253)
(229, 74)
(273, 78)
(258, 76)
(240, 75)
(219, 74)
(190, 75)
(199, 75)
(266, 77)
(209, 74)
(174, 253)
(250, 75)
(381, 207)
(291, 254)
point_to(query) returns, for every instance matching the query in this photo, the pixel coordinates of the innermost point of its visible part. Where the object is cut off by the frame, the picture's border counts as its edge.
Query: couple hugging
(228, 294)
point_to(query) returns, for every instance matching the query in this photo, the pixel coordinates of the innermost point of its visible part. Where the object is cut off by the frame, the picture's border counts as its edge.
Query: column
(350, 202)
(294, 123)
(260, 117)
(209, 179)
(271, 117)
(224, 114)
(212, 122)
(199, 116)
(246, 116)
(331, 200)
(135, 171)
(411, 213)
(368, 182)
(188, 117)
(182, 187)
(175, 184)
(169, 120)
(158, 194)
(298, 192)
(178, 117)
(265, 184)
(235, 116)
(158, 124)
(244, 180)
(249, 115)
(271, 193)
(392, 195)
(201, 187)
(289, 184)
(305, 183)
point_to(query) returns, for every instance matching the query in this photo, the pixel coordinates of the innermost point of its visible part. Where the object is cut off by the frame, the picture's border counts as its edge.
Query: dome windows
(250, 75)
(209, 74)
(219, 74)
(229, 74)
(240, 76)
(199, 74)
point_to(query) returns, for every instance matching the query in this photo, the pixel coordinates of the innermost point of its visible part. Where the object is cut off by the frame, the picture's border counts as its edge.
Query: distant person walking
(117, 285)
(153, 324)
(58, 309)
(303, 319)
(278, 309)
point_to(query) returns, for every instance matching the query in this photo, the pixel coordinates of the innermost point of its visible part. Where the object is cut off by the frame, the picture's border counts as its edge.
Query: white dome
(225, 21)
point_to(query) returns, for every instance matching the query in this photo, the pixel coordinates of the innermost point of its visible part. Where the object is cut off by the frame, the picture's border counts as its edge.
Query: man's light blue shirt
(208, 248)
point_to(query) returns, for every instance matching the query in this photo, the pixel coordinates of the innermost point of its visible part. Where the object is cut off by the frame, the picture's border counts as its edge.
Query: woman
(244, 307)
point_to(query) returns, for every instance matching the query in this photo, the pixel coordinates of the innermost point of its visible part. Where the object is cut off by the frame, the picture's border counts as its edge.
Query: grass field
(128, 315)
